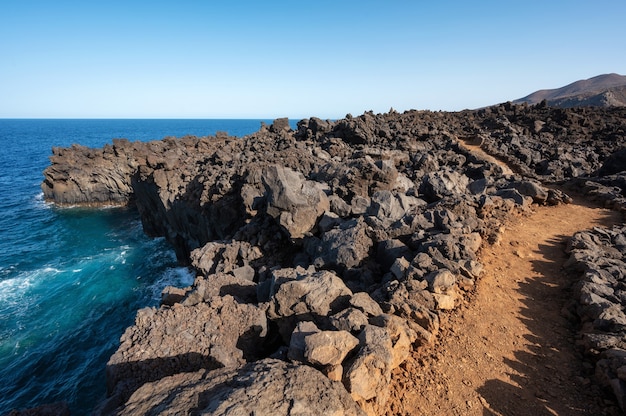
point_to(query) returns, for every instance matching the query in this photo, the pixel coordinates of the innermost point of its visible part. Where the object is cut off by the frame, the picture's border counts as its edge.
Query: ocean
(72, 279)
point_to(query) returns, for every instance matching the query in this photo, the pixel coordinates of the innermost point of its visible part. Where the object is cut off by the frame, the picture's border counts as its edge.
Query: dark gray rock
(344, 247)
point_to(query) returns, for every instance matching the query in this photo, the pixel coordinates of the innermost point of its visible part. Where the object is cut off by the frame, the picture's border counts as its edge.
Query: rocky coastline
(325, 255)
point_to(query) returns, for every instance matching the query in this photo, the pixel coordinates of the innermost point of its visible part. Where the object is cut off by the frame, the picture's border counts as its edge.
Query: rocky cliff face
(324, 254)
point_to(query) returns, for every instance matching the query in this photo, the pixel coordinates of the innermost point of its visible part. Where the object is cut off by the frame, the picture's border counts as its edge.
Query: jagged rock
(343, 247)
(386, 206)
(532, 189)
(293, 201)
(390, 250)
(350, 319)
(366, 304)
(296, 343)
(369, 375)
(309, 297)
(514, 195)
(266, 387)
(381, 350)
(80, 175)
(442, 183)
(171, 295)
(613, 164)
(328, 347)
(222, 333)
(339, 206)
(224, 257)
(402, 336)
(598, 257)
(440, 281)
(220, 284)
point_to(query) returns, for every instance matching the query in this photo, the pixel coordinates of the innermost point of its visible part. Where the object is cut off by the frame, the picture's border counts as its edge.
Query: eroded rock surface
(265, 387)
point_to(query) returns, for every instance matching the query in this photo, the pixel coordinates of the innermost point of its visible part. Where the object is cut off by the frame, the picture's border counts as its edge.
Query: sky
(297, 59)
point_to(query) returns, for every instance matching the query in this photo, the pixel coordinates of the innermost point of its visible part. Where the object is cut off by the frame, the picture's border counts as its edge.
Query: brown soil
(508, 350)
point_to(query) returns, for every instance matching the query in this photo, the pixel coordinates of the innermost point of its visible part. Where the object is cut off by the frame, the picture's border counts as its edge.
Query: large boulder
(307, 297)
(292, 200)
(166, 341)
(343, 247)
(266, 387)
(442, 183)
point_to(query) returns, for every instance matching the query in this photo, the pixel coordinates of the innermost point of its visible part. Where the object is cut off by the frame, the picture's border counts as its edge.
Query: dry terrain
(508, 350)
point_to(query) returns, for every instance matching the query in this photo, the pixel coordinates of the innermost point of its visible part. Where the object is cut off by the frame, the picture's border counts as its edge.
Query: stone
(339, 206)
(385, 206)
(326, 348)
(403, 337)
(445, 302)
(344, 247)
(389, 250)
(224, 256)
(334, 372)
(309, 297)
(296, 343)
(443, 183)
(365, 303)
(164, 342)
(350, 319)
(221, 284)
(360, 204)
(533, 190)
(440, 281)
(266, 387)
(346, 196)
(399, 268)
(245, 272)
(293, 201)
(171, 295)
(369, 375)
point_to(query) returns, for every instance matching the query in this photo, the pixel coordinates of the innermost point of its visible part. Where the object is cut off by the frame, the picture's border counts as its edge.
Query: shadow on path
(548, 371)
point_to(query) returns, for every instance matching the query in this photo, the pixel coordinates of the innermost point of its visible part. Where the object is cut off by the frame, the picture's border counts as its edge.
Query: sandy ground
(508, 350)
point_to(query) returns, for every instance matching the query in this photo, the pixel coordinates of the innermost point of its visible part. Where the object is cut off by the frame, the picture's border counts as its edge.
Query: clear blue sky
(266, 59)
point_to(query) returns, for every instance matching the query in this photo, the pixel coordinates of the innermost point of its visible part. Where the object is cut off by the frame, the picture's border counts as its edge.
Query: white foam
(174, 276)
(14, 288)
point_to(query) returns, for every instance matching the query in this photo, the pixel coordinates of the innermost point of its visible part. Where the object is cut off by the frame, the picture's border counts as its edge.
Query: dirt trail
(508, 350)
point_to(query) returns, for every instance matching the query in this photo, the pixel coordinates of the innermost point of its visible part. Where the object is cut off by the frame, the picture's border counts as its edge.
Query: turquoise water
(72, 279)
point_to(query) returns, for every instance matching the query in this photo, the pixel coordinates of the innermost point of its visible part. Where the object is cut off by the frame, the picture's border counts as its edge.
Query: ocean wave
(13, 289)
(40, 202)
(174, 276)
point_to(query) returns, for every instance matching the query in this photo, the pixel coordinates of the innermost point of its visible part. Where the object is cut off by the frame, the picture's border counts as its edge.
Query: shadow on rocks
(125, 378)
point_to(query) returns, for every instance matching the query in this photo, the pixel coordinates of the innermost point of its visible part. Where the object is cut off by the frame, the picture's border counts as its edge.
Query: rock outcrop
(265, 387)
(324, 255)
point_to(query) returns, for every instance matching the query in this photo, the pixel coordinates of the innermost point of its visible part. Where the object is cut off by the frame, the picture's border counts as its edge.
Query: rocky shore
(325, 255)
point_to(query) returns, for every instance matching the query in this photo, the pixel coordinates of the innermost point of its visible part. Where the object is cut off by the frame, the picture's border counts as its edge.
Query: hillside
(601, 91)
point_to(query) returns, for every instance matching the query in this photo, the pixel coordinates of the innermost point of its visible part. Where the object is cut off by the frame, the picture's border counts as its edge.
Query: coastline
(357, 234)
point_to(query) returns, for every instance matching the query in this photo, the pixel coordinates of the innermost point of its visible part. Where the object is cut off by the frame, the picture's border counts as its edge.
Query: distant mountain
(602, 91)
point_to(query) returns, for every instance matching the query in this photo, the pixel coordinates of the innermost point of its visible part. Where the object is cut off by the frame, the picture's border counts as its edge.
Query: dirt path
(508, 350)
